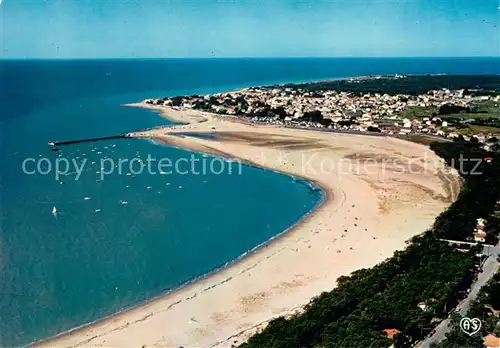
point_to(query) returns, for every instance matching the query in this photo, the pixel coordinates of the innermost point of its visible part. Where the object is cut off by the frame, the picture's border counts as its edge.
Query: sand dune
(379, 193)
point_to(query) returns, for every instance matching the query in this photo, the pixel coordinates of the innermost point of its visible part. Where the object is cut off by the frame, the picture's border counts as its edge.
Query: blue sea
(119, 240)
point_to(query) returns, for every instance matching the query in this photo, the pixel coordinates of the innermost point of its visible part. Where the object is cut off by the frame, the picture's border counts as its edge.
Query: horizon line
(245, 58)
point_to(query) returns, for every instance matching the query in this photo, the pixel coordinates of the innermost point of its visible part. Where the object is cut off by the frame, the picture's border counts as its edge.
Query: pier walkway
(68, 142)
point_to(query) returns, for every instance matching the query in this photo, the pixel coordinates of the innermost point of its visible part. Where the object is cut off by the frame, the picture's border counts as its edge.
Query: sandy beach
(380, 192)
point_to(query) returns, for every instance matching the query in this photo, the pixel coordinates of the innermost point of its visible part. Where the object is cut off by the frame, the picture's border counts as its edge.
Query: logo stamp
(470, 326)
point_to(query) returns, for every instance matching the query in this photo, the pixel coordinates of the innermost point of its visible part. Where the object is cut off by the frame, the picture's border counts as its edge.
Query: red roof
(491, 341)
(391, 333)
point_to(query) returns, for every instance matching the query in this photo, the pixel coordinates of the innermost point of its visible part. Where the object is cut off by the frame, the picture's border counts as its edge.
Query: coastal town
(302, 174)
(448, 114)
(444, 113)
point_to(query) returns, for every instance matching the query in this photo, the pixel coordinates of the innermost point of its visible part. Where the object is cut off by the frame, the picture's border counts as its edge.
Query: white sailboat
(54, 211)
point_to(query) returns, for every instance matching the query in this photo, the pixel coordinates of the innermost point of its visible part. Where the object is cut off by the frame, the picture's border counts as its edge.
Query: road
(490, 267)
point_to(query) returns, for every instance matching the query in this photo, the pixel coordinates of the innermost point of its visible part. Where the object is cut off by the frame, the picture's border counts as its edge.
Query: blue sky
(248, 28)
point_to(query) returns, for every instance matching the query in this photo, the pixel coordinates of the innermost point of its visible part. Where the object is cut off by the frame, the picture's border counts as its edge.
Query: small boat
(123, 202)
(87, 198)
(54, 211)
(97, 210)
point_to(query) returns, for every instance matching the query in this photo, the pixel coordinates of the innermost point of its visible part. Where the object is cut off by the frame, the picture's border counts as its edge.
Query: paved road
(489, 269)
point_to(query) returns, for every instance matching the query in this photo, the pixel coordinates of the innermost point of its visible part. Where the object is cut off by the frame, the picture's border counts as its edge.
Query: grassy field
(474, 129)
(484, 117)
(413, 112)
(423, 139)
(481, 110)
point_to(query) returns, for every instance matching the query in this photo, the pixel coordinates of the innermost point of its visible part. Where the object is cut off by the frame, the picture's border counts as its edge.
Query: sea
(122, 238)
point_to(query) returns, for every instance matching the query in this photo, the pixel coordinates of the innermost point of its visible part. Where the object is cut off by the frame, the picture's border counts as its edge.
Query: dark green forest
(412, 85)
(355, 313)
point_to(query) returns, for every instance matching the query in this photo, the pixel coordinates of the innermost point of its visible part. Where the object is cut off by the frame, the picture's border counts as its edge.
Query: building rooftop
(391, 333)
(491, 341)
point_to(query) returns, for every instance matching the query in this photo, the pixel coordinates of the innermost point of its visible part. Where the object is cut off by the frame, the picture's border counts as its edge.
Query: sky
(248, 28)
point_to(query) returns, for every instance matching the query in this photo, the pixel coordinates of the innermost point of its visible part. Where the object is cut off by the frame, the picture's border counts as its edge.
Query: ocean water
(141, 235)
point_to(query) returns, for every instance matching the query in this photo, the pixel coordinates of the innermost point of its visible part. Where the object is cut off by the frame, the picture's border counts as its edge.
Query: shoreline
(188, 283)
(181, 121)
(334, 197)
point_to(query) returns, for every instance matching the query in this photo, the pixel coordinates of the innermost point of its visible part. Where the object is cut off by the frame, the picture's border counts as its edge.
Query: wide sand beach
(379, 192)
